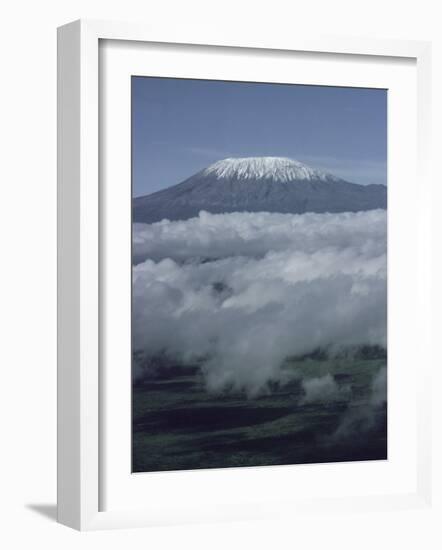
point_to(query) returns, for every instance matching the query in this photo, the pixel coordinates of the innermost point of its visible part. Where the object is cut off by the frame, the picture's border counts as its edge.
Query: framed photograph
(244, 276)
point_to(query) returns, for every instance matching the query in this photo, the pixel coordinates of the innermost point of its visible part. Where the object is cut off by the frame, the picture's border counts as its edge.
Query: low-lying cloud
(239, 293)
(214, 236)
(324, 388)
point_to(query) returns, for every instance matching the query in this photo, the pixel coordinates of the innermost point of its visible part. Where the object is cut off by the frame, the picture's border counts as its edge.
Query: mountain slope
(258, 184)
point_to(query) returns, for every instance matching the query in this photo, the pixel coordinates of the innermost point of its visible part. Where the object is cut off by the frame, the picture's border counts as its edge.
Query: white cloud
(241, 292)
(379, 388)
(255, 234)
(323, 388)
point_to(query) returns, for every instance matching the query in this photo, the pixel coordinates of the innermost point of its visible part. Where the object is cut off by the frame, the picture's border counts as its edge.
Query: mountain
(257, 184)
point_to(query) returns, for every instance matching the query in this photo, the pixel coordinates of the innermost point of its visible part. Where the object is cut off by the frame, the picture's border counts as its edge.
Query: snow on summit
(275, 168)
(257, 184)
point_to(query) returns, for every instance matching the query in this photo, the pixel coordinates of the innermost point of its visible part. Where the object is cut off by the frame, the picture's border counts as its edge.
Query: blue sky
(180, 126)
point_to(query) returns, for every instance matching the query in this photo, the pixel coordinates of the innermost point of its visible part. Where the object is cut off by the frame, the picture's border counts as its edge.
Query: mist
(239, 293)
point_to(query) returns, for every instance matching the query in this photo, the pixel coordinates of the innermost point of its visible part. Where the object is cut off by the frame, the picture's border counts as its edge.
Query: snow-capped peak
(275, 168)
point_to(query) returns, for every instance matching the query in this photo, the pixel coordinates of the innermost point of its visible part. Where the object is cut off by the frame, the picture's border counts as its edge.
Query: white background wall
(28, 276)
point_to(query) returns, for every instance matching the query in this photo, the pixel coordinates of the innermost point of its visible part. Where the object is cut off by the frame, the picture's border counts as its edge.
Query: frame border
(78, 259)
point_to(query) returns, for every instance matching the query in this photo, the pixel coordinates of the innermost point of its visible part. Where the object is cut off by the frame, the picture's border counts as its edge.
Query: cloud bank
(239, 293)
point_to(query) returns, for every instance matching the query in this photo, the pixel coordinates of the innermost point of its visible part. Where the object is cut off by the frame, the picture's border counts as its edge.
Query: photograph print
(259, 274)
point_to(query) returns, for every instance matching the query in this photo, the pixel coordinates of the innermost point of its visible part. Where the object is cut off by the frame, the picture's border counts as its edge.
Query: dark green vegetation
(179, 425)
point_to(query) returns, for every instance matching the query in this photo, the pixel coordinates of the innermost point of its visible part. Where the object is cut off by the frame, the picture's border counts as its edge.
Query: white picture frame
(80, 394)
